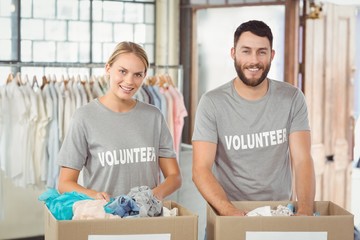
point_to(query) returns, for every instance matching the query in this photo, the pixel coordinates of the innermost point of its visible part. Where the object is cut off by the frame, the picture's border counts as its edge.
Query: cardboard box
(182, 227)
(334, 223)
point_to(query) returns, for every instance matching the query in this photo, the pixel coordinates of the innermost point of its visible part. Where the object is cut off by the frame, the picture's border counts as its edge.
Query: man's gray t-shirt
(117, 151)
(252, 160)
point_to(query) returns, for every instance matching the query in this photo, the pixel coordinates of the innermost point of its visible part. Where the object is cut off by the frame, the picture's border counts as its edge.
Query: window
(59, 33)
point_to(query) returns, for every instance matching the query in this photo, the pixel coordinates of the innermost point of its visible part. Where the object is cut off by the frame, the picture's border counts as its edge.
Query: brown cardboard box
(334, 223)
(182, 227)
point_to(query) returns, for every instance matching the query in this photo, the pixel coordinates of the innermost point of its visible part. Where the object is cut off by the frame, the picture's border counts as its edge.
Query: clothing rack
(157, 69)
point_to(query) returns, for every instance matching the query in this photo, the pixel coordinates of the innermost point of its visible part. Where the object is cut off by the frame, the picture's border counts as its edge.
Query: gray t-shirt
(117, 151)
(252, 159)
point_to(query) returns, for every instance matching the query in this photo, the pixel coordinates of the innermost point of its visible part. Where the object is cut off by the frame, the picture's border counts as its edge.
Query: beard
(252, 82)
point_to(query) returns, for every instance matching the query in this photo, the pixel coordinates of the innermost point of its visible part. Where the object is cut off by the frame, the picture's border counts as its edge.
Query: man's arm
(203, 159)
(300, 150)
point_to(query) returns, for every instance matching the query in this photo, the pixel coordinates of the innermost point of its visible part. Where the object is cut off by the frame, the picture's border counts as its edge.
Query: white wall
(23, 214)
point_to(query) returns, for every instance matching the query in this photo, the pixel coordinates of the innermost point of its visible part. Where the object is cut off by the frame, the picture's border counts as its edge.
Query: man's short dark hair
(256, 27)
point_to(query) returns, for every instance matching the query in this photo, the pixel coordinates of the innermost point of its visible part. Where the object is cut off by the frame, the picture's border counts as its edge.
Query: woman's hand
(101, 196)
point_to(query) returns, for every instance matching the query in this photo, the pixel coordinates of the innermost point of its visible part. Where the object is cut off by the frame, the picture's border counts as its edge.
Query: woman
(117, 141)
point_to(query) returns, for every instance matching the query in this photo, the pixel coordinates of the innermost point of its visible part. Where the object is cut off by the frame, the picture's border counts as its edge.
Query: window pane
(84, 10)
(67, 9)
(26, 51)
(108, 48)
(55, 30)
(6, 8)
(113, 11)
(97, 52)
(97, 11)
(79, 31)
(26, 7)
(5, 49)
(44, 51)
(5, 26)
(44, 8)
(134, 13)
(149, 48)
(28, 26)
(149, 13)
(84, 52)
(123, 32)
(67, 52)
(102, 32)
(140, 33)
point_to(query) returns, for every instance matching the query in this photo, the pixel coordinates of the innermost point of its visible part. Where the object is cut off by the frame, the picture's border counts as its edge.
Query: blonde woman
(118, 141)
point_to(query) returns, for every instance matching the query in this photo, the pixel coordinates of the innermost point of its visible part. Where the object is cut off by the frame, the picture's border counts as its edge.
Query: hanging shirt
(54, 143)
(39, 155)
(16, 128)
(179, 113)
(49, 109)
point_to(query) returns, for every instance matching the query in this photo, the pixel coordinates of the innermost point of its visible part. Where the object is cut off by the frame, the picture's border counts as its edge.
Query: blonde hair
(129, 47)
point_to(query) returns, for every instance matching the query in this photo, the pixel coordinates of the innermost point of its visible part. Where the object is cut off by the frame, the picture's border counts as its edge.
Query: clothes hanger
(9, 78)
(44, 82)
(35, 83)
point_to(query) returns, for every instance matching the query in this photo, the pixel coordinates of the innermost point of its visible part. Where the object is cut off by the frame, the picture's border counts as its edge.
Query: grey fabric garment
(252, 160)
(148, 204)
(117, 151)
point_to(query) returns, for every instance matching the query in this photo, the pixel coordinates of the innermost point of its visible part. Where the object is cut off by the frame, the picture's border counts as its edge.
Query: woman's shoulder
(147, 107)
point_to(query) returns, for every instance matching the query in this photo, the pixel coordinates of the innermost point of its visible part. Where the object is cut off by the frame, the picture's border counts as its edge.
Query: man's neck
(251, 93)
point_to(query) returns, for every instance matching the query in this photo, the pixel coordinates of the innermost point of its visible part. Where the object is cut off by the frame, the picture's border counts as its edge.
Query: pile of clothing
(139, 202)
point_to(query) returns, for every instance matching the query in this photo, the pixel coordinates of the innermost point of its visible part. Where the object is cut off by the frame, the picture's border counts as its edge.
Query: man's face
(252, 58)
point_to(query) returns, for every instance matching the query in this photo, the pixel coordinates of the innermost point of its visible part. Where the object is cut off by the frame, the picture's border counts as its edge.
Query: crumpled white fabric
(267, 211)
(91, 209)
(169, 212)
(260, 211)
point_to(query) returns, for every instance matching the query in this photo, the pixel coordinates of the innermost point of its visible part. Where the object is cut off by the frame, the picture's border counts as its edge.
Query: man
(249, 130)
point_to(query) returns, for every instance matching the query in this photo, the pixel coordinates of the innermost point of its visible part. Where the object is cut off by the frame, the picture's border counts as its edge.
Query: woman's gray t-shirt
(252, 160)
(117, 151)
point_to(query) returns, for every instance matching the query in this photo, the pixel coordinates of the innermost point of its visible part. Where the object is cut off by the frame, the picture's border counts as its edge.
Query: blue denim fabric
(124, 206)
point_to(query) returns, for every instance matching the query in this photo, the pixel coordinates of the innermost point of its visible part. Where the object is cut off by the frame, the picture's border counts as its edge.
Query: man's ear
(272, 54)
(232, 53)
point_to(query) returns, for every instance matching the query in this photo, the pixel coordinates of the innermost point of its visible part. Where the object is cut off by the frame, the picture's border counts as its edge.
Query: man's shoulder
(220, 90)
(283, 87)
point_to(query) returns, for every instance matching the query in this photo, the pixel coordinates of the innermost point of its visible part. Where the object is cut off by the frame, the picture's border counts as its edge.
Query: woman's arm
(68, 178)
(171, 171)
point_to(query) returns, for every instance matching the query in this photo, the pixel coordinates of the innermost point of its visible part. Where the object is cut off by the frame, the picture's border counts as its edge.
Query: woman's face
(126, 75)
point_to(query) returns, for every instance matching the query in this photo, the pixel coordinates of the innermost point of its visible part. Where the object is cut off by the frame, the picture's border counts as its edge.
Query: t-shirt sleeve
(299, 113)
(205, 121)
(73, 152)
(166, 149)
